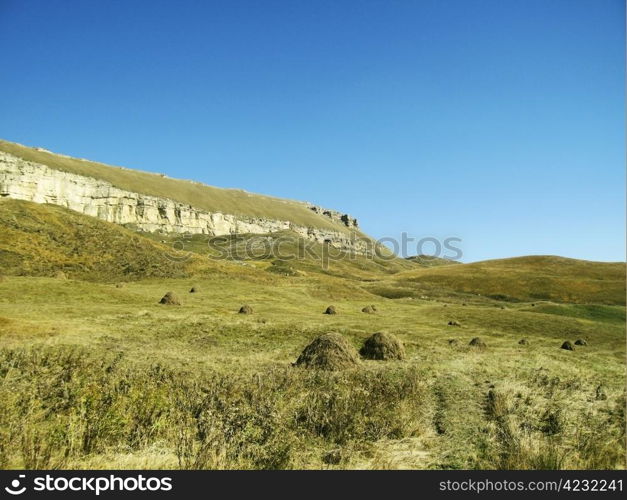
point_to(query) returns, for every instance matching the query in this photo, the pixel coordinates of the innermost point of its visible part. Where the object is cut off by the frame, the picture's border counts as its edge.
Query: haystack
(245, 309)
(368, 310)
(330, 310)
(523, 342)
(568, 346)
(383, 346)
(453, 342)
(581, 342)
(454, 323)
(477, 342)
(194, 289)
(330, 351)
(60, 275)
(170, 299)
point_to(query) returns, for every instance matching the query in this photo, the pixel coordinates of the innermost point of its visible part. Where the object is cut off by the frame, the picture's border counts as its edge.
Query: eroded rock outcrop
(24, 180)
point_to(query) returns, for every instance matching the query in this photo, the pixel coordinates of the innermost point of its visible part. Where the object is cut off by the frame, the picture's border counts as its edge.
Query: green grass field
(95, 373)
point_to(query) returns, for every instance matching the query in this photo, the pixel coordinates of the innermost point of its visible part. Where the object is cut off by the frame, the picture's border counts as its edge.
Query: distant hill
(431, 261)
(526, 278)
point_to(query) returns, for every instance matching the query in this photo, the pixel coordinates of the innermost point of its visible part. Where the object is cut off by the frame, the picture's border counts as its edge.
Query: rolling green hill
(525, 278)
(41, 240)
(201, 196)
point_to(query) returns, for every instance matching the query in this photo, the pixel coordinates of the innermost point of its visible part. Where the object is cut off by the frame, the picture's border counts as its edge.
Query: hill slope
(526, 278)
(287, 253)
(200, 196)
(40, 240)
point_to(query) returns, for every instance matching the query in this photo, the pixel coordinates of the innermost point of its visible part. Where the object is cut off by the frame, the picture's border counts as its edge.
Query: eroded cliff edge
(30, 181)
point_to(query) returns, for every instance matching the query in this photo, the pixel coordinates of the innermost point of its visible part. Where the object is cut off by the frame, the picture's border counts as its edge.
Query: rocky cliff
(26, 180)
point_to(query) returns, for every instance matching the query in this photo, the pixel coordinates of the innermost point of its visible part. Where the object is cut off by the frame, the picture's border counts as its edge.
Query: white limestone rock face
(24, 180)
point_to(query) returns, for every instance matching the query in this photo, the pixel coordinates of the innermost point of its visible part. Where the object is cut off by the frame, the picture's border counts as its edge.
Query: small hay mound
(477, 342)
(601, 394)
(523, 342)
(330, 310)
(368, 310)
(454, 323)
(60, 275)
(245, 309)
(194, 289)
(453, 342)
(581, 342)
(119, 285)
(169, 299)
(568, 346)
(383, 346)
(330, 351)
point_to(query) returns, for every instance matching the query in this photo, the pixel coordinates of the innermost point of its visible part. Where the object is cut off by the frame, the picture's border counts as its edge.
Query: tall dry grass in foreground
(65, 407)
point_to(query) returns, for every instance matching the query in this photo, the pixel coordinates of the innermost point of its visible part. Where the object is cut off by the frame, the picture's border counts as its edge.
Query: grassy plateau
(201, 196)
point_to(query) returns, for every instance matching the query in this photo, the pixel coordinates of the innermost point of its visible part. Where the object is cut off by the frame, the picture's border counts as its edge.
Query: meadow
(99, 376)
(95, 373)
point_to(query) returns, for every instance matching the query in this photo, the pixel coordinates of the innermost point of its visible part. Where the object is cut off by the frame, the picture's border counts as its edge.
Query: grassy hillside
(285, 253)
(211, 199)
(41, 240)
(522, 279)
(431, 261)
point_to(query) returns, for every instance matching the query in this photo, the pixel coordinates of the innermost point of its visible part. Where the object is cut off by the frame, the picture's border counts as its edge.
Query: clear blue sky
(497, 121)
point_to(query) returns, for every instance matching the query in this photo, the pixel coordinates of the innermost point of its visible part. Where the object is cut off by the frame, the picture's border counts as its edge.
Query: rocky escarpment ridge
(25, 180)
(345, 219)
